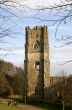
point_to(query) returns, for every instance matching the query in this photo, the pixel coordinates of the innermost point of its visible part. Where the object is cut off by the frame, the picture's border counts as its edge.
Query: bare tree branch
(8, 12)
(59, 14)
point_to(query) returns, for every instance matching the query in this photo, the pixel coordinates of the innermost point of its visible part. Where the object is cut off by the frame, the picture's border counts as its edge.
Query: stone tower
(37, 64)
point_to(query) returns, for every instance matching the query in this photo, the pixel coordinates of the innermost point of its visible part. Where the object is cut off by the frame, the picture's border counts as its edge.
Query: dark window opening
(37, 65)
(37, 89)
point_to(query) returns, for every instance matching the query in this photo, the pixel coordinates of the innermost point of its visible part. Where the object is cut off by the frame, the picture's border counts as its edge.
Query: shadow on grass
(46, 106)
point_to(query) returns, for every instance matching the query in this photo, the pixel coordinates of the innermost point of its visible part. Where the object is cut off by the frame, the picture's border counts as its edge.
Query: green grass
(7, 107)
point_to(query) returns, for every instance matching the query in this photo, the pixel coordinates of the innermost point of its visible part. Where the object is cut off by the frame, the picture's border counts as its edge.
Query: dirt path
(30, 107)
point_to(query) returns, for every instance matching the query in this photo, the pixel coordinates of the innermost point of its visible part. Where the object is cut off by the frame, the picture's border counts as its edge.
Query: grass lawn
(6, 107)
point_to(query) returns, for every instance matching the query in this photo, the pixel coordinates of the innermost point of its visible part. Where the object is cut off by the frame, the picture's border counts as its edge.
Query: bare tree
(9, 28)
(57, 15)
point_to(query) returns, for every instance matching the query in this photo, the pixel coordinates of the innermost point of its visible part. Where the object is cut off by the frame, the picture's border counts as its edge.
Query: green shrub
(16, 98)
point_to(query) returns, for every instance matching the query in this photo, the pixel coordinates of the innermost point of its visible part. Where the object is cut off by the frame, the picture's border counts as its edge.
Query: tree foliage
(11, 79)
(18, 83)
(4, 86)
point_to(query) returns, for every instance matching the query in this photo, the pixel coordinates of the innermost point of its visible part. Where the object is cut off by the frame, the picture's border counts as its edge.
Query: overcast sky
(58, 56)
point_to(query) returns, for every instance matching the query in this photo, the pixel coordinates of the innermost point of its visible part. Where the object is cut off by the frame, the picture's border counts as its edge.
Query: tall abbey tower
(37, 64)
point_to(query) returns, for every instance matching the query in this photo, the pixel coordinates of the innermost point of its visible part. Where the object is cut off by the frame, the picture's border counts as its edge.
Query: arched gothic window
(37, 46)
